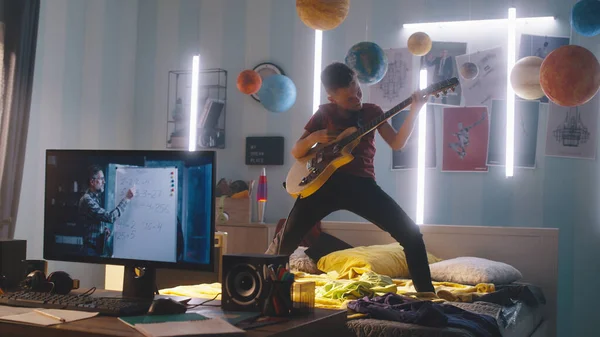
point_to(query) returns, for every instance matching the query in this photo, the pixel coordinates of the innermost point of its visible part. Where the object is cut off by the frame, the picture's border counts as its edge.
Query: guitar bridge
(314, 172)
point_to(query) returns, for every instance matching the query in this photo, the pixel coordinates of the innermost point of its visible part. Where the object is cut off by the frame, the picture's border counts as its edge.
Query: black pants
(365, 198)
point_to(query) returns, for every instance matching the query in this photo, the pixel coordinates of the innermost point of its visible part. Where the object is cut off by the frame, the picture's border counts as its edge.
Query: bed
(533, 251)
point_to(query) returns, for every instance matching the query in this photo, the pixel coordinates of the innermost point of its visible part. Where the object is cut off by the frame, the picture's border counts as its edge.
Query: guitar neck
(375, 122)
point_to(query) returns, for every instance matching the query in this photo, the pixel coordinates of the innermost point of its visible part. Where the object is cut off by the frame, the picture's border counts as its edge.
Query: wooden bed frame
(533, 251)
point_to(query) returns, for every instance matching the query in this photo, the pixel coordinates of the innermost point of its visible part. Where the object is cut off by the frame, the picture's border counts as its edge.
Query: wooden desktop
(319, 323)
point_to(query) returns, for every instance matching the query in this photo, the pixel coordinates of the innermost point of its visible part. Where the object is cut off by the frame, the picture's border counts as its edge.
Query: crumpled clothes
(368, 284)
(394, 307)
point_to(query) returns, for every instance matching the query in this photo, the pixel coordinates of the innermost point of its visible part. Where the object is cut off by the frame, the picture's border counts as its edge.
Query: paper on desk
(213, 326)
(35, 318)
(6, 310)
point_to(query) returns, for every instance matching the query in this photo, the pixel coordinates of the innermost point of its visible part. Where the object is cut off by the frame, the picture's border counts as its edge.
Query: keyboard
(108, 306)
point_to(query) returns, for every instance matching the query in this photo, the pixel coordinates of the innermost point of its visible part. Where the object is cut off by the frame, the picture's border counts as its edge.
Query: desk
(320, 323)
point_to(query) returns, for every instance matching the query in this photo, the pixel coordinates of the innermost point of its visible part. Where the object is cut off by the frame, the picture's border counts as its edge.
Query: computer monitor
(140, 209)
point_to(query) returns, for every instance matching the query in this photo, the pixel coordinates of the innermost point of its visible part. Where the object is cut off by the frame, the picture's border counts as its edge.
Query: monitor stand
(139, 282)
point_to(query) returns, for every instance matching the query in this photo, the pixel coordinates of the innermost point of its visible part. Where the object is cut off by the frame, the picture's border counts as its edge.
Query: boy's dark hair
(92, 170)
(337, 75)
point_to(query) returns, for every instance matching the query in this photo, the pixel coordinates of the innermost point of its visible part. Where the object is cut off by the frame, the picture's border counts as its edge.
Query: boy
(352, 187)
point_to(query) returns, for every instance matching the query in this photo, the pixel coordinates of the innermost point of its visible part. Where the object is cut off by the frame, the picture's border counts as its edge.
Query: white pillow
(473, 270)
(299, 261)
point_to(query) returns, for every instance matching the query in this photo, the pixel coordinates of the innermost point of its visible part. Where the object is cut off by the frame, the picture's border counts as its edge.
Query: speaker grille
(244, 284)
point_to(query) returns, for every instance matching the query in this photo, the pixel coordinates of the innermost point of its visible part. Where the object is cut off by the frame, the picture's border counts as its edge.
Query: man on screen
(95, 218)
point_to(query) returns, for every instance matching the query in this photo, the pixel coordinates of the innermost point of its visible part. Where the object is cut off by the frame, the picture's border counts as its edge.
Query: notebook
(37, 318)
(211, 326)
(149, 319)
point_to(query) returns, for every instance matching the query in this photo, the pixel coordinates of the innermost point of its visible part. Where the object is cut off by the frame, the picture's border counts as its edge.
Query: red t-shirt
(331, 117)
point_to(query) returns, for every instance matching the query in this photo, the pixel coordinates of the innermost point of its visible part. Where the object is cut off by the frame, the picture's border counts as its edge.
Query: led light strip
(317, 70)
(510, 94)
(194, 102)
(448, 24)
(422, 146)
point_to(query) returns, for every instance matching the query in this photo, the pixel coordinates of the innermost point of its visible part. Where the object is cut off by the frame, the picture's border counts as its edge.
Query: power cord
(204, 303)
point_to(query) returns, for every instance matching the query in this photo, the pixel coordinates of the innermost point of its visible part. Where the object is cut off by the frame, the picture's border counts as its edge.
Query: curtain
(18, 37)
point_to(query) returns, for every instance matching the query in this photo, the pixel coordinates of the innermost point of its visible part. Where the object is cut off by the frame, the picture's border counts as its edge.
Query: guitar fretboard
(433, 89)
(375, 122)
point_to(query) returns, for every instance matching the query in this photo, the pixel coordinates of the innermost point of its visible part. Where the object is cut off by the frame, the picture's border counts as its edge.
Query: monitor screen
(140, 208)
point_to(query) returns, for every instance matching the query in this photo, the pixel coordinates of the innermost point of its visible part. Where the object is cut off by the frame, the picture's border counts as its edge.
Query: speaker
(243, 282)
(12, 267)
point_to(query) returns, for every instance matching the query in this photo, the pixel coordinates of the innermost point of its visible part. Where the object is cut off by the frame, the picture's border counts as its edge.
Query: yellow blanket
(334, 293)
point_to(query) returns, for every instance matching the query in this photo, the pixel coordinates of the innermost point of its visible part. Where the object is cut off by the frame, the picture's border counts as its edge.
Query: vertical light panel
(194, 103)
(422, 145)
(317, 69)
(510, 94)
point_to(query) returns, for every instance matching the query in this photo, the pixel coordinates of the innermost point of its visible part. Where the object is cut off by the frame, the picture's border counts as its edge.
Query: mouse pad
(147, 319)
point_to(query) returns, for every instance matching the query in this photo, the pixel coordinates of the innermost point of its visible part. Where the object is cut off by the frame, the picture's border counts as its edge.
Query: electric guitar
(310, 172)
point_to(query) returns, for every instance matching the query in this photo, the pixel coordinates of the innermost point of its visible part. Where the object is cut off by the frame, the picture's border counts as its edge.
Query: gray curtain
(18, 36)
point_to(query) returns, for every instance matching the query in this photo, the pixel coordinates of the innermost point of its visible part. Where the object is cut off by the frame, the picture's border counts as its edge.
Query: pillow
(386, 260)
(299, 261)
(325, 244)
(473, 270)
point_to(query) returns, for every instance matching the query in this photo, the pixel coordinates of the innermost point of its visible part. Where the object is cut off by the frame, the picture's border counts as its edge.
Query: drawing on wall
(465, 132)
(396, 85)
(571, 131)
(440, 64)
(407, 157)
(526, 131)
(490, 82)
(540, 46)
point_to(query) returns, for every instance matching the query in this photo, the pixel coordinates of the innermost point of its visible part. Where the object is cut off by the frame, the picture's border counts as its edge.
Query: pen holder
(279, 299)
(304, 297)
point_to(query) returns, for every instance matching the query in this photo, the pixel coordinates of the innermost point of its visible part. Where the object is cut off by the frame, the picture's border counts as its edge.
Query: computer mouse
(166, 306)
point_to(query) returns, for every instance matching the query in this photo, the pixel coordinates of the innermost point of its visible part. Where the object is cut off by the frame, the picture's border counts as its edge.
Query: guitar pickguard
(319, 162)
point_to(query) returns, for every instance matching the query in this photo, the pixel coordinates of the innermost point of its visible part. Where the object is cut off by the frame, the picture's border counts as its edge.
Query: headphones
(58, 282)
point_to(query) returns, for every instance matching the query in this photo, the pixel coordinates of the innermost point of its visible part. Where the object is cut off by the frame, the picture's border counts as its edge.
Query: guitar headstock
(441, 87)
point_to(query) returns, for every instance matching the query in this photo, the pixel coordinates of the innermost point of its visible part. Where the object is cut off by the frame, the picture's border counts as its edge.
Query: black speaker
(12, 267)
(243, 285)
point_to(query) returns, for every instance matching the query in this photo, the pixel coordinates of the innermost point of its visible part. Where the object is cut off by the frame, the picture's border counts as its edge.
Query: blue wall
(235, 35)
(101, 82)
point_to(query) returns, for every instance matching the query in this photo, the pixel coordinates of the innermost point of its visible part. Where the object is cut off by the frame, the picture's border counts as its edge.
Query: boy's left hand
(418, 100)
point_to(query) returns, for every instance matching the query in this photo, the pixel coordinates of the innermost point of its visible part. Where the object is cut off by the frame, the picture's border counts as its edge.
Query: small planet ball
(322, 14)
(525, 78)
(570, 75)
(249, 82)
(369, 62)
(419, 44)
(277, 93)
(469, 70)
(585, 17)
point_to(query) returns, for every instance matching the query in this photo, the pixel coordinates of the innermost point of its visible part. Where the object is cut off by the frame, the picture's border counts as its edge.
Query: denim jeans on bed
(362, 196)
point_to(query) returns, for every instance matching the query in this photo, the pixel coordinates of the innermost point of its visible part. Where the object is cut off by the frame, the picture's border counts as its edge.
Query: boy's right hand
(322, 136)
(130, 193)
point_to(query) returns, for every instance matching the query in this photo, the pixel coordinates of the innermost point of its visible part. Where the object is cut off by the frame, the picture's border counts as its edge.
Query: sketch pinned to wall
(396, 85)
(465, 139)
(490, 82)
(526, 132)
(540, 46)
(571, 131)
(407, 157)
(440, 64)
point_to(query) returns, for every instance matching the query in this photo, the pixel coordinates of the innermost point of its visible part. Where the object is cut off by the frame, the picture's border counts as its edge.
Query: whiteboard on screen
(147, 230)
